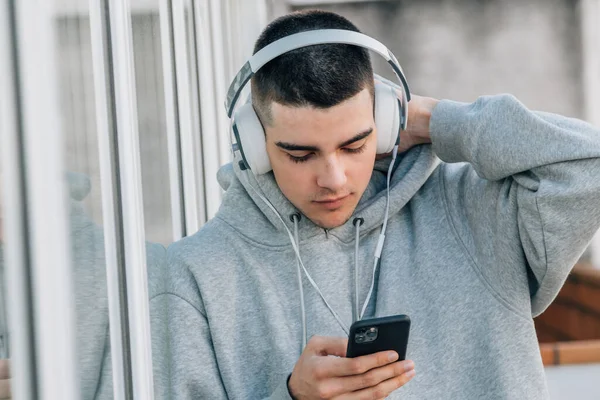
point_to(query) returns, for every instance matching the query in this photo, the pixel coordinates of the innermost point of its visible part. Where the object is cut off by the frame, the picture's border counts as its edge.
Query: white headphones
(391, 114)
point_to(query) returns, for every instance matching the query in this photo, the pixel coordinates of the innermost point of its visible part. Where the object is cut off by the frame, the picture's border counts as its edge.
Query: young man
(476, 244)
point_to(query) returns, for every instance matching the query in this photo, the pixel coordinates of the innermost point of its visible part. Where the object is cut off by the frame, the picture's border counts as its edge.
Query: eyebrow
(297, 147)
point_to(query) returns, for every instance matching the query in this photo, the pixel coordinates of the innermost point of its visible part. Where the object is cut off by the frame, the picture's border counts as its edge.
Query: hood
(260, 224)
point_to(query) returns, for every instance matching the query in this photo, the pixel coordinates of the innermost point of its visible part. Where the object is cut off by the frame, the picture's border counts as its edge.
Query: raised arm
(522, 190)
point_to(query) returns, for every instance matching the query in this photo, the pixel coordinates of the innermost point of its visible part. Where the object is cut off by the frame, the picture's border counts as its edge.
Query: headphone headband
(304, 39)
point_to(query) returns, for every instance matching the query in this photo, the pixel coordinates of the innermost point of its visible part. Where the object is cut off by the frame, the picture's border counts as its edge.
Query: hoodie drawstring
(357, 222)
(295, 219)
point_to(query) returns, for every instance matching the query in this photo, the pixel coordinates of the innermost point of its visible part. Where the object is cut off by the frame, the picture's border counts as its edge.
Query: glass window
(84, 201)
(151, 123)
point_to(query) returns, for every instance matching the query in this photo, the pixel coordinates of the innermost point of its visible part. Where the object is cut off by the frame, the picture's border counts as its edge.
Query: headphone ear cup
(250, 137)
(387, 117)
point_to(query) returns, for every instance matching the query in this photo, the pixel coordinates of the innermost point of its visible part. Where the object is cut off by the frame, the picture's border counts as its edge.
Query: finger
(383, 389)
(374, 377)
(4, 369)
(5, 389)
(359, 365)
(328, 345)
(331, 387)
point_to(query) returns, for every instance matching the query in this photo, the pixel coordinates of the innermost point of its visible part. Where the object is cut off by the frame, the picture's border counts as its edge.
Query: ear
(387, 117)
(250, 137)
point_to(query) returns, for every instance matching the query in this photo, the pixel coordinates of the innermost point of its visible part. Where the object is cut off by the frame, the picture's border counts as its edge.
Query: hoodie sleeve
(185, 365)
(184, 361)
(522, 191)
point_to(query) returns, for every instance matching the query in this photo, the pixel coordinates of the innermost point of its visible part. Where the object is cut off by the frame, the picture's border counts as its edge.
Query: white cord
(356, 242)
(300, 287)
(381, 239)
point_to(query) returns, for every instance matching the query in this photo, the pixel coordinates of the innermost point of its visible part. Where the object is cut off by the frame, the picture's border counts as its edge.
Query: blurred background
(112, 130)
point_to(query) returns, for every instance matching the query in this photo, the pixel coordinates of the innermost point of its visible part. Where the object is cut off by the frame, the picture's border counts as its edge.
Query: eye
(299, 159)
(357, 150)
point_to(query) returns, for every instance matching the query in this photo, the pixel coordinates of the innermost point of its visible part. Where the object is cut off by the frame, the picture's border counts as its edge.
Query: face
(323, 159)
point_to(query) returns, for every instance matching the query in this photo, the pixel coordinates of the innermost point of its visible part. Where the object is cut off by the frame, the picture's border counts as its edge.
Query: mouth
(332, 204)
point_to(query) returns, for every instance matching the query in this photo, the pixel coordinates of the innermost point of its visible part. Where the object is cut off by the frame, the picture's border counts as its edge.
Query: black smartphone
(373, 335)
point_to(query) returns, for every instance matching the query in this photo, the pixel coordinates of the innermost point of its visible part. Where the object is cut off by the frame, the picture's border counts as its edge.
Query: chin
(331, 221)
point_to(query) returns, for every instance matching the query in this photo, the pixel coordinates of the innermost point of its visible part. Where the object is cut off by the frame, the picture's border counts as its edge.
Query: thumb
(328, 345)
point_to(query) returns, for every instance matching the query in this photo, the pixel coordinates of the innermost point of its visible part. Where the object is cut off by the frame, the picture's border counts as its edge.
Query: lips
(330, 200)
(332, 204)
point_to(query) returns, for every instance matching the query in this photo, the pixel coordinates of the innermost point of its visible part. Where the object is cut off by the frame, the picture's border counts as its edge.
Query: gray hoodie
(477, 244)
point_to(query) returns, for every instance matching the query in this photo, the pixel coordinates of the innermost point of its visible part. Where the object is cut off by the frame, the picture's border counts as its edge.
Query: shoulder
(174, 277)
(155, 262)
(446, 175)
(453, 176)
(205, 244)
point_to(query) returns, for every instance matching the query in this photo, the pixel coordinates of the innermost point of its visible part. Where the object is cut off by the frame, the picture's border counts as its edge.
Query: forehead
(304, 124)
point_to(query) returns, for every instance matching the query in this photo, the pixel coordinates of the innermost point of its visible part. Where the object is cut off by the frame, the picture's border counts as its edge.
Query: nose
(332, 175)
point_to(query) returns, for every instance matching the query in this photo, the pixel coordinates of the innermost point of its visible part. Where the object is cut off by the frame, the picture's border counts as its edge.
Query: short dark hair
(320, 76)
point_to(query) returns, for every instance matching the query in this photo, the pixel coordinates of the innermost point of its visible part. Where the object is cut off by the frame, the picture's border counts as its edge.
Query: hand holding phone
(317, 375)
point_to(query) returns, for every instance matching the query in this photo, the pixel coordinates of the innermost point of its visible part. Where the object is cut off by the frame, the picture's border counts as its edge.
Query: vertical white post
(104, 101)
(220, 77)
(131, 191)
(47, 202)
(187, 126)
(208, 106)
(14, 224)
(231, 10)
(590, 25)
(172, 122)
